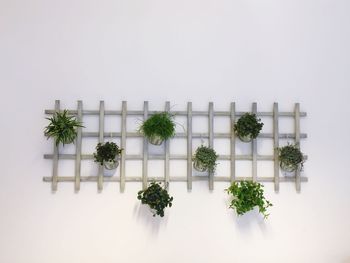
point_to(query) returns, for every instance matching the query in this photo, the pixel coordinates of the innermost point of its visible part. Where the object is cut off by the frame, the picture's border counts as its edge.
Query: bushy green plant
(160, 124)
(156, 197)
(62, 127)
(247, 195)
(106, 152)
(291, 156)
(206, 157)
(248, 124)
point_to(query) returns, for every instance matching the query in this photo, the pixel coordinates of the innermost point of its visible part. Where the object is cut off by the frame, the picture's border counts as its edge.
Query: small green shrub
(156, 197)
(160, 124)
(247, 195)
(290, 155)
(62, 128)
(206, 157)
(106, 152)
(248, 124)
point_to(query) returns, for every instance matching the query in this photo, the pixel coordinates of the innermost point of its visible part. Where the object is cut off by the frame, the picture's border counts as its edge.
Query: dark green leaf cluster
(106, 152)
(161, 124)
(207, 157)
(62, 127)
(156, 197)
(291, 155)
(248, 124)
(247, 195)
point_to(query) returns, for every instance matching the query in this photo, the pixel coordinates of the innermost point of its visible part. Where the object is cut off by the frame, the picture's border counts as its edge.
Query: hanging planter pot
(204, 159)
(159, 127)
(291, 158)
(106, 154)
(248, 127)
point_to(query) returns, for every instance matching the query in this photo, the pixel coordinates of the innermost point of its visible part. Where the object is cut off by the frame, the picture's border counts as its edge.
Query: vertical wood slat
(189, 146)
(167, 154)
(276, 145)
(78, 147)
(145, 150)
(254, 149)
(100, 140)
(297, 142)
(233, 143)
(55, 156)
(211, 140)
(123, 146)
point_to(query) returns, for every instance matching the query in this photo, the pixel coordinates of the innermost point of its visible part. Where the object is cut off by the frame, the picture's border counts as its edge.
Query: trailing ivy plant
(106, 152)
(159, 124)
(156, 197)
(248, 125)
(247, 195)
(205, 157)
(62, 127)
(290, 157)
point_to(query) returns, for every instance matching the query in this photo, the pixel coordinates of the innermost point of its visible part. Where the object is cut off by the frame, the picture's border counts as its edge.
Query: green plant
(159, 124)
(62, 127)
(247, 125)
(206, 157)
(247, 195)
(291, 156)
(106, 152)
(156, 197)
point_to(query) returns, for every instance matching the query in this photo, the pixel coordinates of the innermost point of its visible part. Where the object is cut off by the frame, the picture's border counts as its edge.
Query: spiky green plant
(247, 195)
(290, 155)
(62, 127)
(156, 197)
(160, 124)
(206, 157)
(106, 152)
(248, 124)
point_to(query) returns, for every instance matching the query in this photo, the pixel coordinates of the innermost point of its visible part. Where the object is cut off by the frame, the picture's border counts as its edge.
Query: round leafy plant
(159, 124)
(106, 152)
(156, 197)
(205, 157)
(290, 157)
(246, 196)
(248, 125)
(62, 127)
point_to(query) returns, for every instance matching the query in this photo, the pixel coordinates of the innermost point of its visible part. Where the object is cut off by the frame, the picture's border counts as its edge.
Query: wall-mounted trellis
(189, 135)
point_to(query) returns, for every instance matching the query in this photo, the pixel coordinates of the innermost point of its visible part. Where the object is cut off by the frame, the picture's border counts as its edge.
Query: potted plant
(159, 127)
(248, 127)
(106, 154)
(156, 197)
(247, 195)
(62, 127)
(290, 157)
(204, 159)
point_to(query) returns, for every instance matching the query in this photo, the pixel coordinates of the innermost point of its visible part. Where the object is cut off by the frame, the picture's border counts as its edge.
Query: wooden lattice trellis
(145, 156)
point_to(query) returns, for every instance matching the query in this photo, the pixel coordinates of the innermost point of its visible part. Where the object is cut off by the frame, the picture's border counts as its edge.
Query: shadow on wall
(153, 224)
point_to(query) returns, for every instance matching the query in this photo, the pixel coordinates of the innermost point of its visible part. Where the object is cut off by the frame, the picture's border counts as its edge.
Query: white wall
(200, 51)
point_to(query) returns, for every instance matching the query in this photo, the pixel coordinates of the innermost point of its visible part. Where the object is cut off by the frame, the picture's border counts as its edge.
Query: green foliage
(247, 195)
(291, 155)
(106, 152)
(248, 124)
(156, 197)
(62, 128)
(161, 124)
(206, 157)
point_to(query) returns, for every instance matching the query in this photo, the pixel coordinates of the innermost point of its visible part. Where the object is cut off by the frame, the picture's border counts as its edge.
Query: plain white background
(199, 51)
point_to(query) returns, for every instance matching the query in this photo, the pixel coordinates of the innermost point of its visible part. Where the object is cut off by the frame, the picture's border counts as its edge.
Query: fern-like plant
(247, 195)
(156, 197)
(248, 126)
(290, 157)
(62, 127)
(106, 152)
(160, 125)
(205, 159)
